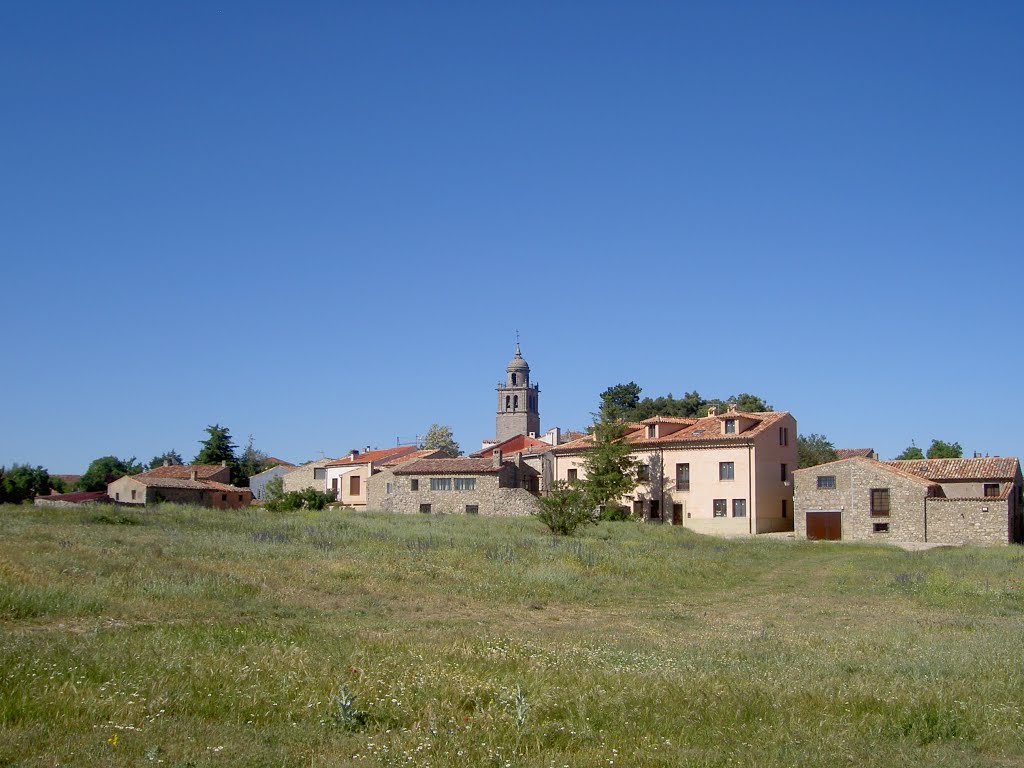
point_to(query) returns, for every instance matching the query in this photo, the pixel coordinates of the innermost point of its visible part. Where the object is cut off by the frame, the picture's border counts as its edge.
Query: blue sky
(321, 224)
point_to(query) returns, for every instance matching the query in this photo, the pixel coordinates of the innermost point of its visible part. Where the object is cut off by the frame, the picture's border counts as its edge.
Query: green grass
(190, 637)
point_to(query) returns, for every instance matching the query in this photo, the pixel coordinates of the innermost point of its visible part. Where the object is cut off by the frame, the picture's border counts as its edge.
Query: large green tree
(440, 438)
(251, 462)
(564, 509)
(105, 470)
(940, 449)
(609, 470)
(22, 482)
(814, 449)
(623, 401)
(910, 453)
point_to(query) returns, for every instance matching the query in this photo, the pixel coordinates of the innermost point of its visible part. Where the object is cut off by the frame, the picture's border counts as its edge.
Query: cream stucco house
(728, 473)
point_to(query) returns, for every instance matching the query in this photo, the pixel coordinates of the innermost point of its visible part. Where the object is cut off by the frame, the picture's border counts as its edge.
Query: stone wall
(968, 521)
(854, 480)
(491, 496)
(301, 478)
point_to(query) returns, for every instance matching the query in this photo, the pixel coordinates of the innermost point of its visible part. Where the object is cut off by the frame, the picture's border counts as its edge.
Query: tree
(910, 453)
(565, 509)
(939, 449)
(251, 462)
(22, 482)
(172, 457)
(440, 438)
(610, 471)
(105, 470)
(217, 447)
(621, 400)
(814, 449)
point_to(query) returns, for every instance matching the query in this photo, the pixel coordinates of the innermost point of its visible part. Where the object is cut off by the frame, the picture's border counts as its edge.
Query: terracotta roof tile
(197, 485)
(183, 471)
(460, 466)
(849, 453)
(987, 468)
(374, 456)
(425, 453)
(880, 464)
(519, 443)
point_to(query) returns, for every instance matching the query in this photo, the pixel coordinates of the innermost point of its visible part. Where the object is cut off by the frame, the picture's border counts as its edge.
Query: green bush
(564, 509)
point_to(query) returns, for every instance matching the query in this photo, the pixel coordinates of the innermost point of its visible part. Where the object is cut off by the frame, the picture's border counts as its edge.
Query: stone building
(726, 473)
(349, 478)
(472, 486)
(204, 485)
(937, 501)
(312, 474)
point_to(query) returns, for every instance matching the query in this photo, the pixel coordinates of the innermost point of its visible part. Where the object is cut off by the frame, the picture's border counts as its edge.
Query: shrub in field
(615, 513)
(564, 509)
(310, 498)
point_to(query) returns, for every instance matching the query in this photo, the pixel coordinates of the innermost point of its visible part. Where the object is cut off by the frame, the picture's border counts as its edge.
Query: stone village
(730, 473)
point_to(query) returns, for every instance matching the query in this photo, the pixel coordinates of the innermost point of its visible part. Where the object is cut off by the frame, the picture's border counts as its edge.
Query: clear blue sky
(322, 223)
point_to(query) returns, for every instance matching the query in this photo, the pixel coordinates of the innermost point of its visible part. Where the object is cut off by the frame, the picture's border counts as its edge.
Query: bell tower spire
(518, 400)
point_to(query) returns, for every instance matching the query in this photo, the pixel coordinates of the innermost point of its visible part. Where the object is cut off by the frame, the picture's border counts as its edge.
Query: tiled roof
(273, 461)
(707, 429)
(425, 453)
(460, 466)
(669, 420)
(880, 464)
(987, 468)
(374, 456)
(70, 479)
(571, 435)
(197, 485)
(517, 444)
(849, 453)
(182, 472)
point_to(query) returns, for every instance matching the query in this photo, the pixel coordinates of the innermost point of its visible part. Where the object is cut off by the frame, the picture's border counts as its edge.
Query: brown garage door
(825, 524)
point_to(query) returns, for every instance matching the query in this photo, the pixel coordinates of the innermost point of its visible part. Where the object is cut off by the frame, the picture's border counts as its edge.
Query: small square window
(827, 482)
(726, 470)
(879, 502)
(643, 473)
(730, 426)
(721, 507)
(991, 489)
(880, 527)
(425, 509)
(739, 507)
(472, 509)
(572, 475)
(414, 484)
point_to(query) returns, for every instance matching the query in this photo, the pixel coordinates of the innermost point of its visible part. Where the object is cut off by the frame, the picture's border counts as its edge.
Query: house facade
(470, 486)
(258, 482)
(312, 474)
(722, 474)
(936, 501)
(203, 485)
(348, 478)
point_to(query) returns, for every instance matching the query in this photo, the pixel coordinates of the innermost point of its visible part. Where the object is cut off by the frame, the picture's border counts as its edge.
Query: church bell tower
(518, 408)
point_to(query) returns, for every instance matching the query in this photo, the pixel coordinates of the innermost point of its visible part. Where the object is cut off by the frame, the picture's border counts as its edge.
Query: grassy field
(189, 637)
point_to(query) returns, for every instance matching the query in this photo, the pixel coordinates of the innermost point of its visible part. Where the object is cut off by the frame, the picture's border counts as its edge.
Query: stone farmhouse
(935, 501)
(472, 486)
(726, 473)
(204, 485)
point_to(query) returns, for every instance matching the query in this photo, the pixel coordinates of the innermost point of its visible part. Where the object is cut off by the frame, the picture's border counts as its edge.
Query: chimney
(496, 458)
(223, 462)
(519, 459)
(713, 410)
(354, 454)
(367, 449)
(195, 475)
(167, 462)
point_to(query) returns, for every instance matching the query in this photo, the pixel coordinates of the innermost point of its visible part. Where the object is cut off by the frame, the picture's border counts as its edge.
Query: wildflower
(112, 741)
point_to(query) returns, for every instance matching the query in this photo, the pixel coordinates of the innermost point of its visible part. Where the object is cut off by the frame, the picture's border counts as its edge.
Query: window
(880, 527)
(440, 483)
(334, 484)
(879, 502)
(425, 509)
(223, 497)
(682, 477)
(783, 435)
(643, 473)
(414, 484)
(827, 482)
(783, 507)
(652, 430)
(730, 426)
(720, 507)
(390, 488)
(785, 473)
(133, 495)
(739, 507)
(726, 470)
(117, 497)
(655, 509)
(353, 485)
(508, 402)
(991, 489)
(572, 475)
(465, 483)
(472, 509)
(515, 402)
(239, 497)
(638, 508)
(514, 379)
